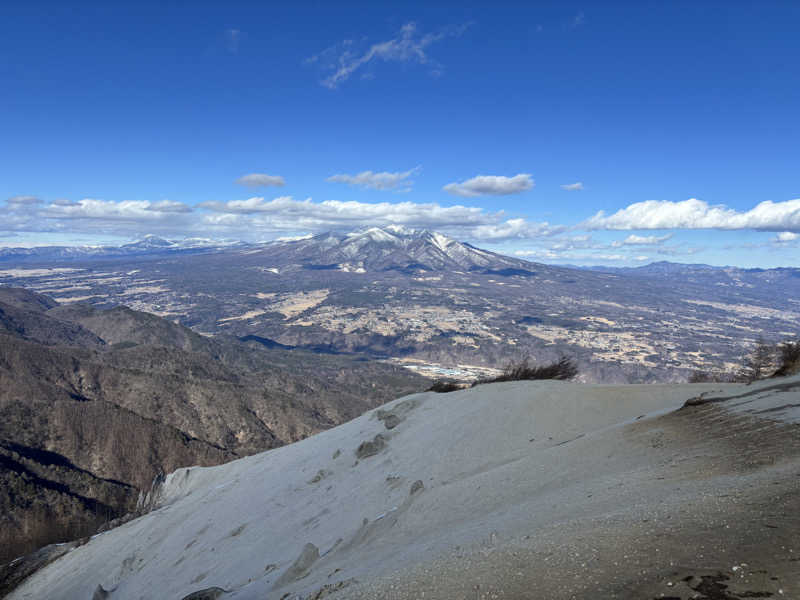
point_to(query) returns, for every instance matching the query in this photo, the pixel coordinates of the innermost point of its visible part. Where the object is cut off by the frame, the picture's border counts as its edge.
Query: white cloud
(259, 217)
(377, 181)
(260, 180)
(20, 201)
(786, 236)
(130, 218)
(342, 60)
(514, 229)
(538, 253)
(584, 250)
(679, 250)
(576, 242)
(579, 258)
(491, 185)
(126, 210)
(256, 204)
(287, 214)
(168, 206)
(612, 257)
(696, 214)
(573, 187)
(639, 240)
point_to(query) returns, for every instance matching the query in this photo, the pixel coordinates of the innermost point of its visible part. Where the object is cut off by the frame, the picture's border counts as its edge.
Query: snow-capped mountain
(149, 244)
(388, 248)
(372, 249)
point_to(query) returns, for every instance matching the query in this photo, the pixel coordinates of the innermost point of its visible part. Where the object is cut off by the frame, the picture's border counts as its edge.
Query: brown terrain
(95, 404)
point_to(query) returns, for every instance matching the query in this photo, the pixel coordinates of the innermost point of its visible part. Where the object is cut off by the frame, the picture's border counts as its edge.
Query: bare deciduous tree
(759, 363)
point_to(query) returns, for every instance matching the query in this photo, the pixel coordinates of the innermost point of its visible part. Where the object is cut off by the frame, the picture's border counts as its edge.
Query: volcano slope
(514, 490)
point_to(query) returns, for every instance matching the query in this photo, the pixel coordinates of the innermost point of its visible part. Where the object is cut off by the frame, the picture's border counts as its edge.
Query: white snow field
(513, 490)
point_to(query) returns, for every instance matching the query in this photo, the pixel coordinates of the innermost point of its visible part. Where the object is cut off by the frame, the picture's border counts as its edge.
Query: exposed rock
(300, 567)
(371, 447)
(100, 593)
(211, 593)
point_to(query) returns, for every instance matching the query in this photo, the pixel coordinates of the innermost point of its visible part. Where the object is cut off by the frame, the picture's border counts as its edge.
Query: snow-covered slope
(150, 242)
(389, 248)
(515, 490)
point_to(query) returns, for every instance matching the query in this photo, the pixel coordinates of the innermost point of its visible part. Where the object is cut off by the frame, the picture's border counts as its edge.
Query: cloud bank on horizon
(284, 216)
(696, 214)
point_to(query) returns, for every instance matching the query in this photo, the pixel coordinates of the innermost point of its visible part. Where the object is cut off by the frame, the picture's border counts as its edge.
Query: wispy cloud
(106, 210)
(573, 187)
(696, 214)
(679, 250)
(342, 60)
(640, 240)
(579, 258)
(383, 180)
(578, 20)
(491, 185)
(260, 180)
(576, 242)
(20, 201)
(784, 237)
(233, 37)
(515, 229)
(168, 206)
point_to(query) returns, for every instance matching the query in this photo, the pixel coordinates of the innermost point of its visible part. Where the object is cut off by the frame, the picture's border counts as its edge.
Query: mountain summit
(150, 241)
(386, 249)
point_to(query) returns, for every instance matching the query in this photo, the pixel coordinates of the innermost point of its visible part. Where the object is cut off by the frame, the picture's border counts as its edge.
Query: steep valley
(94, 404)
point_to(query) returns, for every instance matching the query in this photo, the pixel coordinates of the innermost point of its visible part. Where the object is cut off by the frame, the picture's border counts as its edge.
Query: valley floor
(517, 490)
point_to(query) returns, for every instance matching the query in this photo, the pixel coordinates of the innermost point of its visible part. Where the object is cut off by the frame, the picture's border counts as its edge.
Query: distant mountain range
(149, 245)
(423, 299)
(370, 249)
(666, 268)
(375, 248)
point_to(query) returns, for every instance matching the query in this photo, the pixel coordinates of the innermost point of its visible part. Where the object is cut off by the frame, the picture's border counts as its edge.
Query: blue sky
(510, 125)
